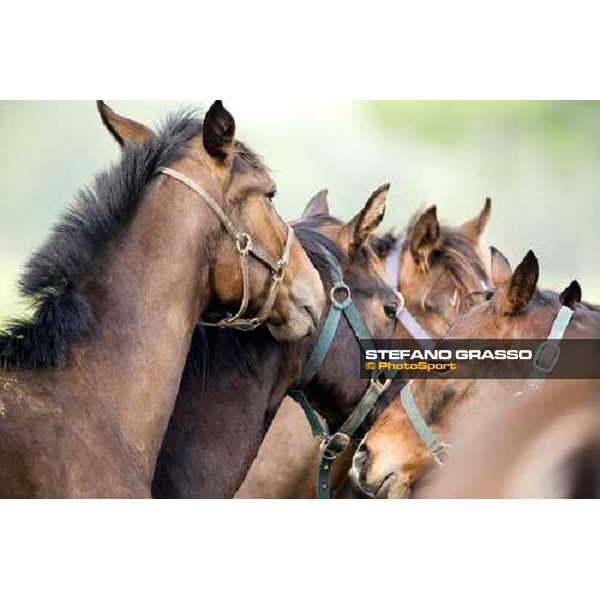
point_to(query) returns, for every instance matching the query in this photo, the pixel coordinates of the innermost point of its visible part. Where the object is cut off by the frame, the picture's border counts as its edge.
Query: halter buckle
(439, 451)
(253, 323)
(280, 272)
(378, 385)
(546, 357)
(335, 444)
(340, 286)
(243, 243)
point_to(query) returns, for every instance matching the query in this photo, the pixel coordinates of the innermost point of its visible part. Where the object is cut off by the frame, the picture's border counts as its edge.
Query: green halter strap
(332, 445)
(548, 353)
(435, 447)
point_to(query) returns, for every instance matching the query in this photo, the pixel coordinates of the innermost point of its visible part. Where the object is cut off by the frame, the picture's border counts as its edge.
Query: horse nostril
(361, 458)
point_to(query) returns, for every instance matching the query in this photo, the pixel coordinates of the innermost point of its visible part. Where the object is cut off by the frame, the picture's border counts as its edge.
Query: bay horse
(433, 266)
(392, 457)
(224, 410)
(546, 445)
(88, 382)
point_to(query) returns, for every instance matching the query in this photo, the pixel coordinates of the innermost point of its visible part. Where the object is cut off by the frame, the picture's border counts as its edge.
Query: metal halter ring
(335, 444)
(381, 387)
(243, 243)
(400, 297)
(278, 275)
(340, 285)
(440, 450)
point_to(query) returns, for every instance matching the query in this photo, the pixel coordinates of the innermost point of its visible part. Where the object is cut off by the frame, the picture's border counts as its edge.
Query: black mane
(383, 245)
(81, 236)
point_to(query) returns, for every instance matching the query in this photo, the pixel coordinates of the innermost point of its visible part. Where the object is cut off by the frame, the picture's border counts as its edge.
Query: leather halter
(244, 246)
(544, 362)
(405, 317)
(332, 445)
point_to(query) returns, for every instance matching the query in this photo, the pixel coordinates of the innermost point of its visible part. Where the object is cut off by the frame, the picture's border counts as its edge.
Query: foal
(392, 456)
(433, 266)
(223, 413)
(88, 383)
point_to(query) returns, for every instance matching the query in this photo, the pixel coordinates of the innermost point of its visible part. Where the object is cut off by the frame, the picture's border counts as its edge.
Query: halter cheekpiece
(245, 246)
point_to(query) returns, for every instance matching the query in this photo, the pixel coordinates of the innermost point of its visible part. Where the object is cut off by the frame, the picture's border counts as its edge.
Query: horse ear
(424, 236)
(355, 233)
(571, 295)
(218, 132)
(474, 228)
(318, 205)
(522, 285)
(124, 130)
(501, 270)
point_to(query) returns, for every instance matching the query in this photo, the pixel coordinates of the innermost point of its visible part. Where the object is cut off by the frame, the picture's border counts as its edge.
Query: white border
(382, 49)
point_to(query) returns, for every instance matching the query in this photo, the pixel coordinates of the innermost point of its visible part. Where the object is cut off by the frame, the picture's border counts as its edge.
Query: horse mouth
(379, 490)
(383, 489)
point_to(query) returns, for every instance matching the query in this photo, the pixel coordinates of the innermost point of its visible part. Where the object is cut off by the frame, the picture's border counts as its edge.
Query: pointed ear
(218, 132)
(501, 270)
(355, 233)
(424, 236)
(521, 286)
(475, 227)
(125, 131)
(571, 295)
(318, 205)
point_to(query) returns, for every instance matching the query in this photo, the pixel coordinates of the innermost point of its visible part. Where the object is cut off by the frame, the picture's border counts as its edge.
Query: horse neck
(220, 420)
(145, 297)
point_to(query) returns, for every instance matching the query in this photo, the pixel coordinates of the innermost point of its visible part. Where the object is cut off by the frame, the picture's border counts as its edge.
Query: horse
(88, 382)
(432, 266)
(393, 455)
(224, 411)
(547, 445)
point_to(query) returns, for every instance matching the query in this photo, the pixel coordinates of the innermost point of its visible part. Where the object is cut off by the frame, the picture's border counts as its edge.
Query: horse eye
(489, 295)
(271, 195)
(391, 310)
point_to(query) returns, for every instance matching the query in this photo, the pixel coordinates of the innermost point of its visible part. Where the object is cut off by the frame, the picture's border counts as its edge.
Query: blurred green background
(539, 161)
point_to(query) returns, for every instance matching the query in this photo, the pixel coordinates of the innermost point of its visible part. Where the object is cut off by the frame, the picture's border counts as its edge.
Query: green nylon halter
(332, 445)
(544, 361)
(548, 353)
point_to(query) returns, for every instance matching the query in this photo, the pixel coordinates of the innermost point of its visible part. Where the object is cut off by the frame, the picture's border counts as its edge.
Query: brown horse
(392, 456)
(546, 445)
(88, 382)
(223, 413)
(434, 266)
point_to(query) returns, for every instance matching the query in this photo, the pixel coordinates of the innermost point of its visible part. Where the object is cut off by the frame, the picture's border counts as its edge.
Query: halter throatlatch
(544, 362)
(332, 445)
(244, 246)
